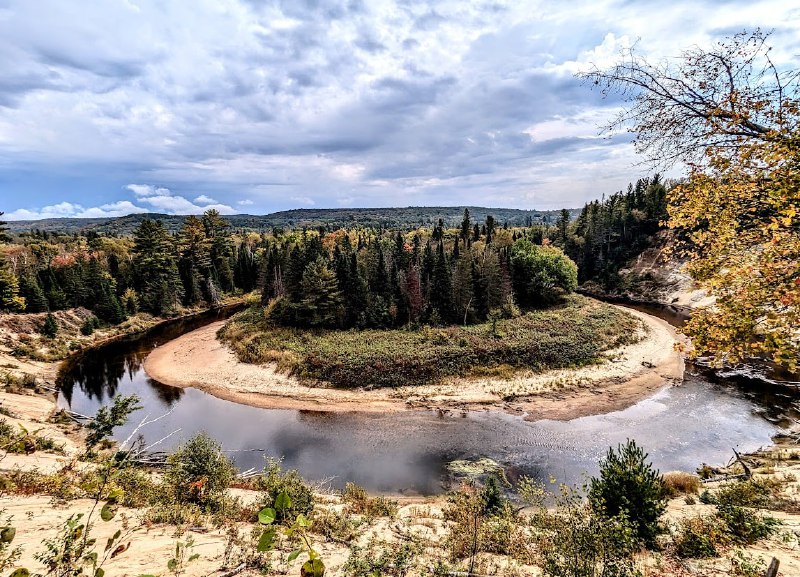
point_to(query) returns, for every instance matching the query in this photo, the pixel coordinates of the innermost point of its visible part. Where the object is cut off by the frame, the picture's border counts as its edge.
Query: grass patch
(679, 483)
(572, 334)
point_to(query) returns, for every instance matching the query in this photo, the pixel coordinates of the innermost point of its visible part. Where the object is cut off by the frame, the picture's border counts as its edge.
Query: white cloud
(144, 190)
(60, 210)
(159, 199)
(163, 200)
(121, 208)
(245, 202)
(308, 201)
(316, 103)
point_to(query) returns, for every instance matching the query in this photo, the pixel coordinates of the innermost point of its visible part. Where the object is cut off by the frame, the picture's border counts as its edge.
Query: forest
(298, 218)
(355, 277)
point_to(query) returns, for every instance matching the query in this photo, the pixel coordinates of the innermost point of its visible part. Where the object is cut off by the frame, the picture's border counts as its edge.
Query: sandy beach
(198, 359)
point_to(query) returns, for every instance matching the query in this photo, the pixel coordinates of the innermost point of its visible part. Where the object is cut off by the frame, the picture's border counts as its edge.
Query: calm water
(407, 452)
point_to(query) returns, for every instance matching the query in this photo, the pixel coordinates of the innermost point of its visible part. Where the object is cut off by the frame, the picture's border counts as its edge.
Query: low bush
(381, 558)
(199, 472)
(275, 481)
(577, 541)
(747, 493)
(360, 503)
(680, 483)
(746, 526)
(475, 528)
(699, 537)
(336, 526)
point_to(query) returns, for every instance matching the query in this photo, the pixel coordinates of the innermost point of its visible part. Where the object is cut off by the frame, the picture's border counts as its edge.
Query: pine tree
(221, 248)
(157, 280)
(50, 326)
(322, 300)
(10, 299)
(463, 296)
(490, 226)
(194, 264)
(31, 290)
(441, 289)
(465, 227)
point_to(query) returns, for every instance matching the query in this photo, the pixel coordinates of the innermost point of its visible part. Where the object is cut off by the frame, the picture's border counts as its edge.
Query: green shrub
(381, 558)
(337, 526)
(578, 542)
(199, 472)
(473, 528)
(89, 325)
(746, 526)
(275, 481)
(747, 493)
(699, 537)
(629, 486)
(50, 326)
(491, 497)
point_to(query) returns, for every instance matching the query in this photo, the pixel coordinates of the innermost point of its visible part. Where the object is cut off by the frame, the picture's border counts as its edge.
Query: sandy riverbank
(197, 359)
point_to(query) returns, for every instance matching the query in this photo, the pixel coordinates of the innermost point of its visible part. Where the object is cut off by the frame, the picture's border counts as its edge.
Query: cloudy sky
(116, 106)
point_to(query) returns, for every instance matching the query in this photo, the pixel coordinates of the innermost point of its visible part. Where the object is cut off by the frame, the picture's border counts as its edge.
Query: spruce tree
(31, 290)
(322, 300)
(157, 280)
(50, 326)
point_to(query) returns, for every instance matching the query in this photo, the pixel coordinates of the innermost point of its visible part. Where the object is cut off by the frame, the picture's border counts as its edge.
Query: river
(408, 452)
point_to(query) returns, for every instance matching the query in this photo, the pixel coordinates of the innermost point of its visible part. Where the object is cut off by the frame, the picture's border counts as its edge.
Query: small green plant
(274, 482)
(381, 558)
(313, 566)
(491, 497)
(8, 554)
(628, 485)
(746, 565)
(184, 554)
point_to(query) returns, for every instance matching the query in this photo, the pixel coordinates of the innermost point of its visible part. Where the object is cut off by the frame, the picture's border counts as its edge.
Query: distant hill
(409, 217)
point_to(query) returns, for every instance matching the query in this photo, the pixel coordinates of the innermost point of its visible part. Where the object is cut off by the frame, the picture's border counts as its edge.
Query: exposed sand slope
(33, 412)
(197, 359)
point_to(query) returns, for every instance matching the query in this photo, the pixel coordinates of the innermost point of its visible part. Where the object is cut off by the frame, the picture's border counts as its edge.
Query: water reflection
(407, 452)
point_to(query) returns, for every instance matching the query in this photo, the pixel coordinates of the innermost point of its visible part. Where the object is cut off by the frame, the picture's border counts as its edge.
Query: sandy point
(628, 374)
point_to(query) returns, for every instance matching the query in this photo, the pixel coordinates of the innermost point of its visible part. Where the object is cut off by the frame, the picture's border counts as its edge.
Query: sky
(112, 107)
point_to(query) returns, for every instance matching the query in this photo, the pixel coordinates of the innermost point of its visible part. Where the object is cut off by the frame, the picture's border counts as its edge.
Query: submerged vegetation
(571, 334)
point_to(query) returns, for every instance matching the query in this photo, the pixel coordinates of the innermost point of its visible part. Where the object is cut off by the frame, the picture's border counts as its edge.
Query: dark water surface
(407, 452)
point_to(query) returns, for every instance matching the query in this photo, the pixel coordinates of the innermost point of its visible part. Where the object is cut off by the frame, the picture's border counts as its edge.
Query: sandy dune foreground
(197, 359)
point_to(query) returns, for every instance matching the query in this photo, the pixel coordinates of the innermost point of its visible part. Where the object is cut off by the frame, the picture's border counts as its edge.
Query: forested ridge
(404, 218)
(326, 276)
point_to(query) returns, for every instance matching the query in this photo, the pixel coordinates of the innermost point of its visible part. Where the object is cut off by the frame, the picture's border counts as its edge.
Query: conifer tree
(156, 272)
(322, 300)
(31, 291)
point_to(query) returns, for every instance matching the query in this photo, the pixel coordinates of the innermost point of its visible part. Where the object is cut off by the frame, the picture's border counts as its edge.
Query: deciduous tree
(732, 116)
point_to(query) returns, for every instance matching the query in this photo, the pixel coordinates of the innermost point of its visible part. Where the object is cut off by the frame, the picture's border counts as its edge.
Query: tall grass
(572, 334)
